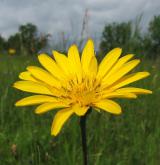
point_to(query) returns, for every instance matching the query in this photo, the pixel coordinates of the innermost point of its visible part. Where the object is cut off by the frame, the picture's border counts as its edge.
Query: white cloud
(66, 15)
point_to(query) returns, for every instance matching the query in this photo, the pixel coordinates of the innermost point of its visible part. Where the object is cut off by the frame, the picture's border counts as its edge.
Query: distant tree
(154, 33)
(31, 40)
(147, 46)
(135, 44)
(28, 37)
(42, 41)
(123, 35)
(2, 43)
(27, 41)
(14, 42)
(115, 35)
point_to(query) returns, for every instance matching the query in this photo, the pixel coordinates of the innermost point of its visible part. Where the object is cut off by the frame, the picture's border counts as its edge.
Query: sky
(57, 16)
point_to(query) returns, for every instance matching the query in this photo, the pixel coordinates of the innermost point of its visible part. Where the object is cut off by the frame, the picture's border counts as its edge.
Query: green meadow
(132, 138)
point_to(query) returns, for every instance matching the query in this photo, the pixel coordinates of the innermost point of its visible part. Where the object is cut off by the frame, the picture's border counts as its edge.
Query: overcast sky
(56, 16)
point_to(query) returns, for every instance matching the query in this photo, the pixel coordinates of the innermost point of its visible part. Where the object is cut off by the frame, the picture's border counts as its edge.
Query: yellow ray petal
(27, 76)
(79, 110)
(129, 79)
(93, 66)
(36, 99)
(109, 106)
(117, 94)
(33, 87)
(49, 106)
(108, 61)
(87, 54)
(49, 64)
(44, 76)
(120, 73)
(119, 64)
(59, 120)
(134, 90)
(74, 62)
(62, 62)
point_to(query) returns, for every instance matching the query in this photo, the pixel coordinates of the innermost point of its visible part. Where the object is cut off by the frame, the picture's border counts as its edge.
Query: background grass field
(132, 138)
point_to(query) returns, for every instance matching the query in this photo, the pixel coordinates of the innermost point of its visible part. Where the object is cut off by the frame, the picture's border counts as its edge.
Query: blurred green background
(132, 138)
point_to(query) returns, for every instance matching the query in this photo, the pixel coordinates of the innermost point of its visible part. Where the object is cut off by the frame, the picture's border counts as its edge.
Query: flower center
(84, 93)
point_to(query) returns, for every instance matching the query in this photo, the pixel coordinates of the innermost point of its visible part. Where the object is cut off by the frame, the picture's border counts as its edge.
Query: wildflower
(73, 84)
(11, 51)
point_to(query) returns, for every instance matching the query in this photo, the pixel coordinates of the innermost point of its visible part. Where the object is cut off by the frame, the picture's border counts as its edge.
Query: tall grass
(132, 138)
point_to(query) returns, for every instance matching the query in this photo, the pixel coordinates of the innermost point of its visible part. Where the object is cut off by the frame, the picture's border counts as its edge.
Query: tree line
(128, 35)
(27, 41)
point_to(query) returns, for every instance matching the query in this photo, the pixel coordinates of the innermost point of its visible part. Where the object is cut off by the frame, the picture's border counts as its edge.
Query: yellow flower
(75, 84)
(11, 51)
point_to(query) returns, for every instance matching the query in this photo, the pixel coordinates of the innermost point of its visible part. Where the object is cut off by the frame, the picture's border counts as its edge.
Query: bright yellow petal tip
(73, 83)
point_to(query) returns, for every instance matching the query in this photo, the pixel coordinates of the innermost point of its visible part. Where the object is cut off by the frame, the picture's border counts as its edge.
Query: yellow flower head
(11, 51)
(75, 84)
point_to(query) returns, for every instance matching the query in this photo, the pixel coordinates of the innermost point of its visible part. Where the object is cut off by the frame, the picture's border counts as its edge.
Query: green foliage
(14, 41)
(2, 43)
(154, 33)
(27, 40)
(115, 35)
(147, 47)
(129, 139)
(129, 37)
(28, 34)
(123, 35)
